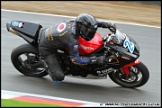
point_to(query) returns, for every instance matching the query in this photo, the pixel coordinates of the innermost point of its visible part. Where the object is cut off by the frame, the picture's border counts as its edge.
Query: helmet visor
(88, 32)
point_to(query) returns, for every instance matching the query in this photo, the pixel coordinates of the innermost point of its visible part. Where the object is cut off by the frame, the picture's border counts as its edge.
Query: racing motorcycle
(122, 56)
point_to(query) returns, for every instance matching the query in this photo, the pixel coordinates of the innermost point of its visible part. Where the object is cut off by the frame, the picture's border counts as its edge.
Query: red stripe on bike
(125, 67)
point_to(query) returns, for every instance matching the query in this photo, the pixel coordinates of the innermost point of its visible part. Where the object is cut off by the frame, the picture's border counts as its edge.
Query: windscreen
(120, 36)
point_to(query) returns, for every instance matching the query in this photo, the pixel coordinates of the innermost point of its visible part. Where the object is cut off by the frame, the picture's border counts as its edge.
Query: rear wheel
(138, 76)
(26, 60)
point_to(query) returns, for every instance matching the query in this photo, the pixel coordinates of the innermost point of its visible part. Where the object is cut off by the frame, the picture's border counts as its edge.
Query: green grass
(16, 103)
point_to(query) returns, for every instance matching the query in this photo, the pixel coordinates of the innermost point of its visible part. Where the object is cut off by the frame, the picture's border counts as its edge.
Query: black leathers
(62, 35)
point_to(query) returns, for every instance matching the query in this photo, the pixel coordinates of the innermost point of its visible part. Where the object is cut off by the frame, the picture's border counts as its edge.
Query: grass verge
(17, 103)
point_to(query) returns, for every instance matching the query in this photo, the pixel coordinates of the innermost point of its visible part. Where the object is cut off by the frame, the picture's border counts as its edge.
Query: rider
(65, 34)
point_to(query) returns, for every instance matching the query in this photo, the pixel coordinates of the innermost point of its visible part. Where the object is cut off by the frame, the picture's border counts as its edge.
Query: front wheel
(138, 76)
(25, 59)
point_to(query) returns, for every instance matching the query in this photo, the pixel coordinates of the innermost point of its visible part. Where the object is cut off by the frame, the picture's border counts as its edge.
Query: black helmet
(87, 26)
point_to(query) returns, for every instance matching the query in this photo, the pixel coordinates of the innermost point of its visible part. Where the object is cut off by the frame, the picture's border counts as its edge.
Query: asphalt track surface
(93, 90)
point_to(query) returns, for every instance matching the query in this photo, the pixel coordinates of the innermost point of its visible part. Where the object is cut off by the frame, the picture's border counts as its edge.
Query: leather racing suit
(62, 35)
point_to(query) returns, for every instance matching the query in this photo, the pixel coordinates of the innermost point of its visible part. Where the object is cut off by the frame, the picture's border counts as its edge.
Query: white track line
(74, 17)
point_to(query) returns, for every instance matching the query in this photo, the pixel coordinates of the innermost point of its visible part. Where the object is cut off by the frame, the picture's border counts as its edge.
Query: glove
(97, 60)
(115, 39)
(112, 27)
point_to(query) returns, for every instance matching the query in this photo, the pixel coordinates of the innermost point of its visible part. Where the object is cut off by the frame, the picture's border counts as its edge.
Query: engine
(78, 70)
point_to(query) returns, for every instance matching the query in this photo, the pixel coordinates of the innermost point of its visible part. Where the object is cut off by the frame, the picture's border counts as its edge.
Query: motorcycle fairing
(125, 68)
(88, 47)
(129, 45)
(26, 28)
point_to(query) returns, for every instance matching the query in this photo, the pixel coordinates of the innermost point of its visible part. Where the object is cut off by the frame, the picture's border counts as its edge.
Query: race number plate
(129, 45)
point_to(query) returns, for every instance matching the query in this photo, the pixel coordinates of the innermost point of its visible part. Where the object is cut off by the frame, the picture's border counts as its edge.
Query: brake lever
(107, 36)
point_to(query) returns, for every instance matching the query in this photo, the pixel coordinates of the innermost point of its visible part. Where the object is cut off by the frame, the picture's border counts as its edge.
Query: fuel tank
(88, 47)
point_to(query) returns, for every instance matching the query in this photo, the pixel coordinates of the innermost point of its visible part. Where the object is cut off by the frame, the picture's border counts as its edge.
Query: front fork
(125, 68)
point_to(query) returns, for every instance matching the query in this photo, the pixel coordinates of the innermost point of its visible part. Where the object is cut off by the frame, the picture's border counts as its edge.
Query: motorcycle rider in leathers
(66, 34)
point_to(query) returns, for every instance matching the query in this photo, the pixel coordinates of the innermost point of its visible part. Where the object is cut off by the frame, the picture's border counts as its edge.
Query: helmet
(87, 26)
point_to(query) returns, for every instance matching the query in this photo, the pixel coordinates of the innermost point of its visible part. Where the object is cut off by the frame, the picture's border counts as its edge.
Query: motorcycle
(122, 54)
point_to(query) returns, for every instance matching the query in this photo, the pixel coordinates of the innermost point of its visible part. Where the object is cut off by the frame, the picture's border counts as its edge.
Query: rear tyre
(25, 59)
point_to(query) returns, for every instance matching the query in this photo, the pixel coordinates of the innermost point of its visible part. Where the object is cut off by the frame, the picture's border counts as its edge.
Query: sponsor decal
(63, 33)
(126, 57)
(20, 24)
(61, 27)
(137, 61)
(75, 47)
(86, 47)
(15, 23)
(105, 71)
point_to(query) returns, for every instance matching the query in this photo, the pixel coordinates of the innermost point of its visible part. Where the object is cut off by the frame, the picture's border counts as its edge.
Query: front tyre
(138, 76)
(26, 60)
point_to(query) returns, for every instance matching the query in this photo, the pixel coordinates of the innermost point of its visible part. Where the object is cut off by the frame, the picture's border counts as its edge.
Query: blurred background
(157, 3)
(143, 12)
